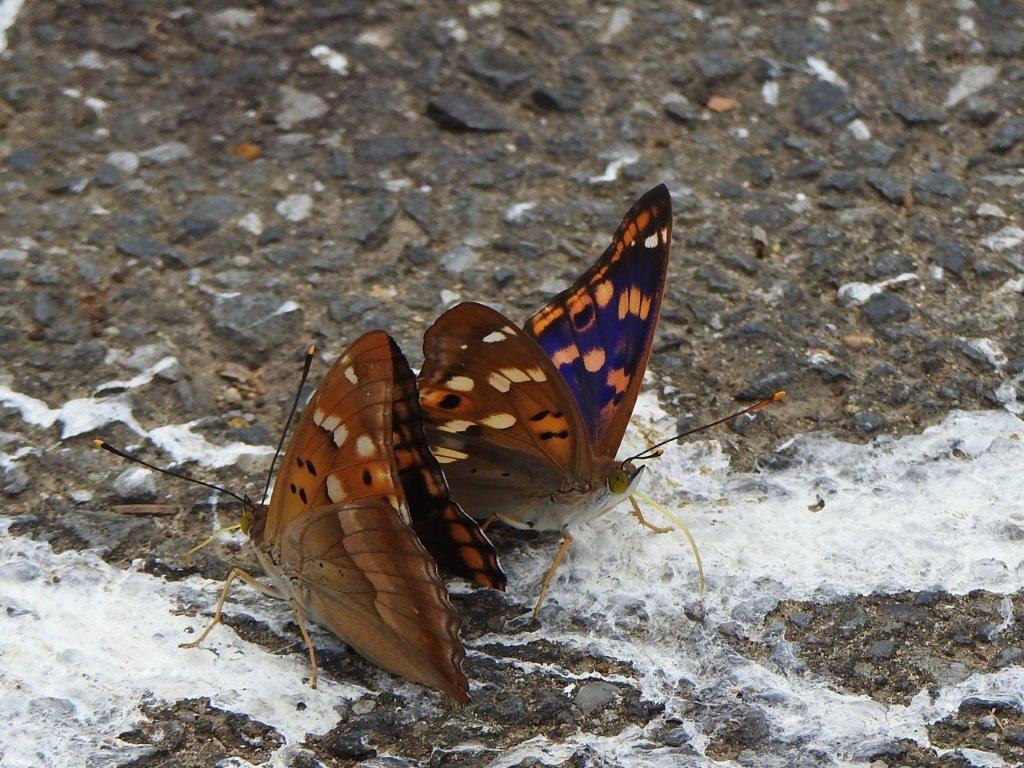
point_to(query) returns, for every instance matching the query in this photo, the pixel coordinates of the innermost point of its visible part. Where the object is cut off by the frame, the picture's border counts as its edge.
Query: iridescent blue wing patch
(599, 331)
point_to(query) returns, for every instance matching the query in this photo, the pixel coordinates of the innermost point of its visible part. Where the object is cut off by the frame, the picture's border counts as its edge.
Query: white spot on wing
(499, 382)
(651, 241)
(334, 490)
(318, 417)
(365, 446)
(330, 423)
(514, 375)
(350, 374)
(499, 420)
(456, 425)
(537, 374)
(460, 383)
(340, 435)
(493, 337)
(448, 455)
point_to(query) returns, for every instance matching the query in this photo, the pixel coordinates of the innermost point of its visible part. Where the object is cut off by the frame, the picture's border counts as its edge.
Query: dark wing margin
(454, 538)
(599, 331)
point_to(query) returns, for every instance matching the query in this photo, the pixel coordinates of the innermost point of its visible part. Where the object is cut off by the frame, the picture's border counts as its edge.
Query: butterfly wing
(340, 522)
(598, 332)
(498, 416)
(360, 571)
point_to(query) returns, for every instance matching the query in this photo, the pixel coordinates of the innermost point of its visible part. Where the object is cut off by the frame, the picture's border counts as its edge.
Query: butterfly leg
(301, 621)
(498, 516)
(236, 573)
(644, 521)
(566, 543)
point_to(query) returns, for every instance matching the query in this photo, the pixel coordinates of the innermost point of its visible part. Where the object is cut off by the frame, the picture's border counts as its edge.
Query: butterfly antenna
(163, 470)
(653, 452)
(310, 354)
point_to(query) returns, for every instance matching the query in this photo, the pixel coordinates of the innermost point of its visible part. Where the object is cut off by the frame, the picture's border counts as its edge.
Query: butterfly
(359, 520)
(527, 421)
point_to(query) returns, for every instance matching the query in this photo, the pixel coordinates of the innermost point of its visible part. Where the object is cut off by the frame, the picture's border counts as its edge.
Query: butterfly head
(622, 479)
(254, 518)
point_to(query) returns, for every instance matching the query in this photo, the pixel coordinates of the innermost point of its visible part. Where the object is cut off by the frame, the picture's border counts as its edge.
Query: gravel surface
(222, 185)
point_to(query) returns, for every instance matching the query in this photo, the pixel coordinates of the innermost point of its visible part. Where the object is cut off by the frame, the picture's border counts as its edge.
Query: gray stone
(386, 149)
(15, 479)
(981, 110)
(884, 308)
(567, 98)
(255, 323)
(368, 222)
(45, 307)
(765, 384)
(135, 484)
(166, 154)
(940, 185)
(842, 181)
(220, 208)
(459, 259)
(799, 42)
(297, 107)
(871, 154)
(463, 111)
(816, 101)
(23, 160)
(1008, 135)
(498, 67)
(337, 166)
(886, 185)
(595, 694)
(755, 169)
(715, 67)
(914, 114)
(680, 108)
(881, 649)
(810, 169)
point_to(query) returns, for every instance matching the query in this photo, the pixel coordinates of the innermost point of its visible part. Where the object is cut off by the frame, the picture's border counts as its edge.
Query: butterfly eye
(618, 481)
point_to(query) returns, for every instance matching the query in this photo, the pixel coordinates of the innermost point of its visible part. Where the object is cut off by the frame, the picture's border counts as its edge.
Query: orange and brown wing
(599, 331)
(449, 534)
(363, 574)
(340, 519)
(498, 416)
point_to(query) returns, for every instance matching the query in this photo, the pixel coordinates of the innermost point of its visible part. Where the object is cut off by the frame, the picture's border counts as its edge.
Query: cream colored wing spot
(331, 423)
(334, 490)
(460, 383)
(365, 447)
(499, 382)
(350, 374)
(318, 417)
(340, 435)
(509, 330)
(499, 420)
(448, 455)
(537, 374)
(593, 360)
(456, 425)
(493, 337)
(664, 234)
(651, 241)
(514, 375)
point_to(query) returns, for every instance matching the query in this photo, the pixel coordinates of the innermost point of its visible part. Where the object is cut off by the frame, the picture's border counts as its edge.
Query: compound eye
(618, 481)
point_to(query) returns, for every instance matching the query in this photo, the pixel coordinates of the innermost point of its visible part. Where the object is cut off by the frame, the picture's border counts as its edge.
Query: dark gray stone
(715, 280)
(254, 323)
(940, 185)
(567, 98)
(1008, 135)
(498, 67)
(192, 228)
(464, 111)
(881, 649)
(220, 208)
(981, 110)
(810, 169)
(799, 42)
(841, 181)
(891, 264)
(716, 67)
(884, 308)
(503, 276)
(337, 166)
(886, 185)
(1007, 43)
(386, 149)
(368, 222)
(765, 384)
(915, 114)
(755, 169)
(23, 160)
(871, 154)
(46, 307)
(817, 101)
(952, 256)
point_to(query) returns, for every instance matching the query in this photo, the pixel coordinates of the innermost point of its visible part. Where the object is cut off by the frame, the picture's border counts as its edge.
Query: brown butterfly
(528, 422)
(359, 514)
